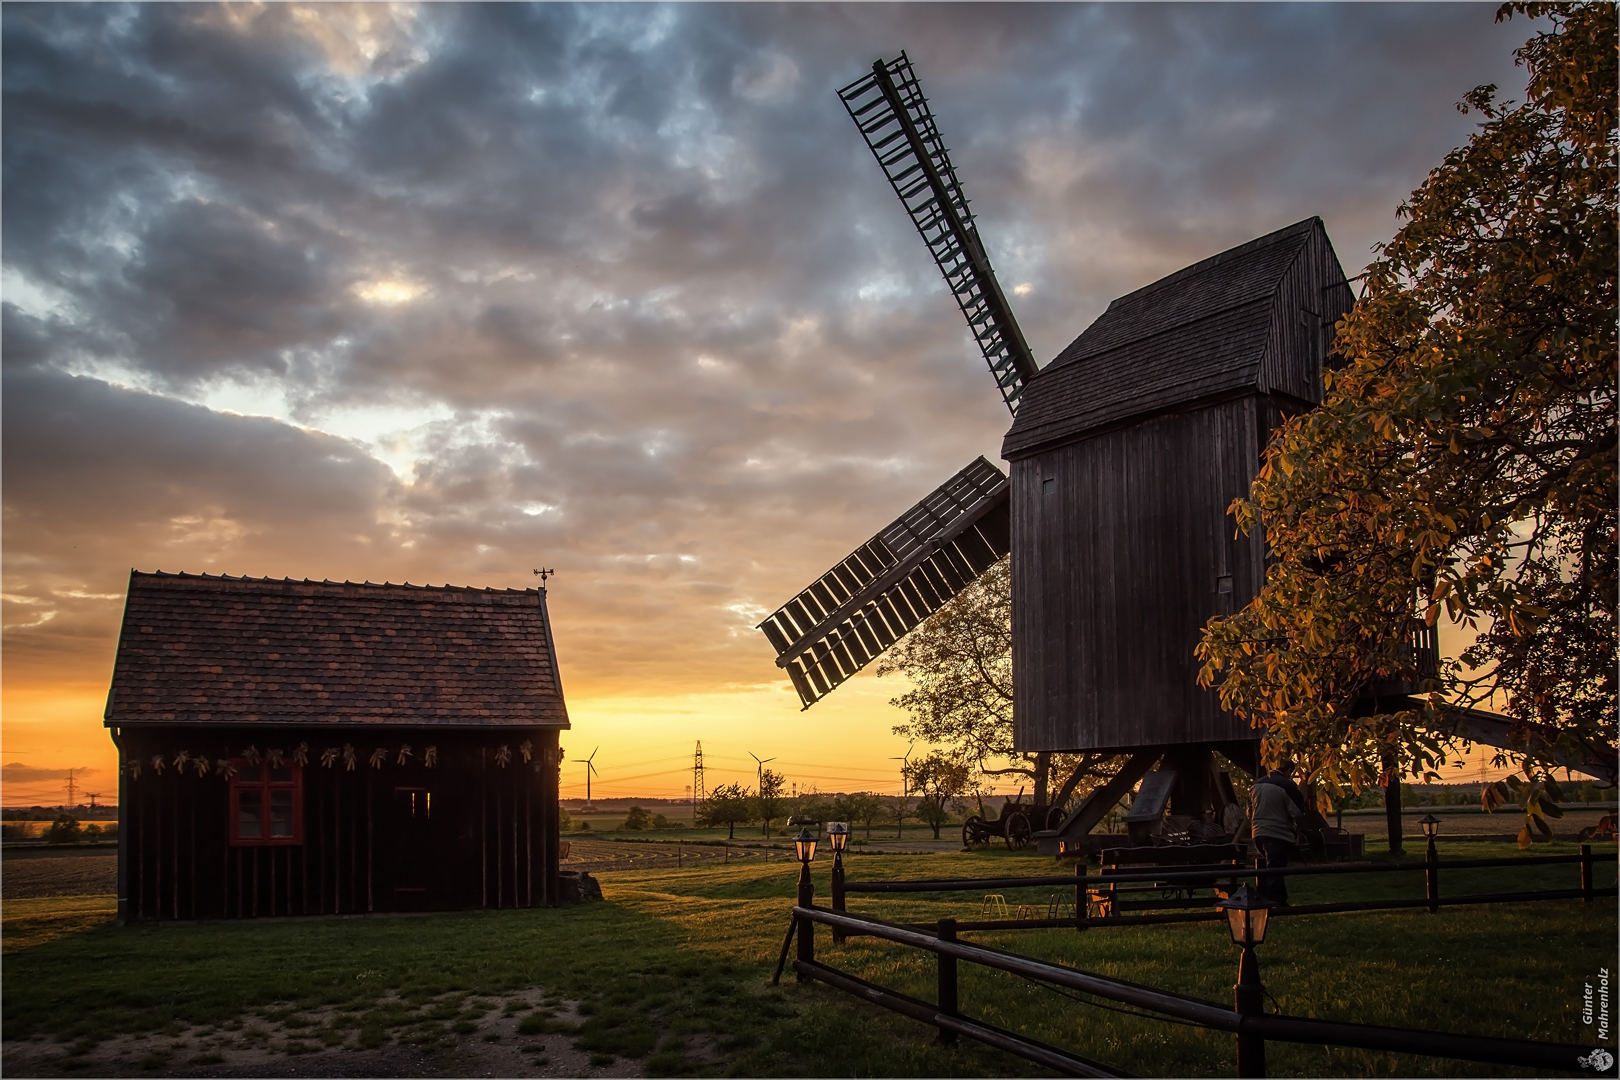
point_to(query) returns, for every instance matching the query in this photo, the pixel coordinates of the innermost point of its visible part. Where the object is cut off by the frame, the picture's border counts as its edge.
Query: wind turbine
(589, 768)
(766, 828)
(904, 760)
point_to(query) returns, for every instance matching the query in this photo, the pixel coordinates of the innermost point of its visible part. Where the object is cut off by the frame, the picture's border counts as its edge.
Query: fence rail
(1562, 1057)
(1203, 873)
(1082, 882)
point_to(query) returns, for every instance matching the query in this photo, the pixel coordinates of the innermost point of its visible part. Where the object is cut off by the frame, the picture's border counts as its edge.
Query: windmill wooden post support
(314, 747)
(1125, 452)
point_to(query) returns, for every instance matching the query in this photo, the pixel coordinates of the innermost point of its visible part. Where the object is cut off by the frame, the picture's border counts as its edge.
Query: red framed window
(267, 804)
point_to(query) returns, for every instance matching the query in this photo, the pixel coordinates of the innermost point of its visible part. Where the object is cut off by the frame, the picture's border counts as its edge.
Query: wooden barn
(315, 747)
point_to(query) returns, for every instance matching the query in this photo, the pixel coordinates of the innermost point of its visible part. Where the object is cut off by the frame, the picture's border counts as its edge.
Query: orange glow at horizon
(646, 742)
(643, 744)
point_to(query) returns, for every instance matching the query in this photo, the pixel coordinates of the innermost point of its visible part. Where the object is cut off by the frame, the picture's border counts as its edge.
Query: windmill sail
(889, 108)
(894, 581)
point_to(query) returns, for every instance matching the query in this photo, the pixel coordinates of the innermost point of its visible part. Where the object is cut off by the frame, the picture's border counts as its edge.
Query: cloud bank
(447, 293)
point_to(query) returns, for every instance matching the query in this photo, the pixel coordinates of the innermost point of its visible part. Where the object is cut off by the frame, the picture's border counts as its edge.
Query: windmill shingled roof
(1197, 332)
(200, 648)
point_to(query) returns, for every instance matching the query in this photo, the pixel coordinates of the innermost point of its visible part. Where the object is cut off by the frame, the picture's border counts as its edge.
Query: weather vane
(543, 574)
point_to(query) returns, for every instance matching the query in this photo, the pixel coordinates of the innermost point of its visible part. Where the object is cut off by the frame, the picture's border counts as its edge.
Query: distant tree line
(64, 829)
(1466, 795)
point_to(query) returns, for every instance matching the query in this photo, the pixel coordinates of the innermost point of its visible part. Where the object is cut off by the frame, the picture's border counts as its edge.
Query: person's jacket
(1273, 809)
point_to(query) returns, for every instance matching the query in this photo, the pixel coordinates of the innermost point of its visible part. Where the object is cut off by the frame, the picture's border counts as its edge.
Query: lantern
(1246, 915)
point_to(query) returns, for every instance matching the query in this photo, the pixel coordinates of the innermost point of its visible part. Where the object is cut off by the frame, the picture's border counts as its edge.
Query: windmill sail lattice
(892, 582)
(889, 108)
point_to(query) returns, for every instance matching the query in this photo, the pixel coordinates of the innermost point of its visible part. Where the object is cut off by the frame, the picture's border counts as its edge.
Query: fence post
(1080, 891)
(1392, 812)
(1431, 875)
(838, 894)
(1248, 999)
(807, 929)
(1587, 891)
(947, 979)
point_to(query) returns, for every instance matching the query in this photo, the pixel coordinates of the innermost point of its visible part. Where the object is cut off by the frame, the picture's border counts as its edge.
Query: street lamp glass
(1431, 825)
(1246, 916)
(838, 833)
(805, 845)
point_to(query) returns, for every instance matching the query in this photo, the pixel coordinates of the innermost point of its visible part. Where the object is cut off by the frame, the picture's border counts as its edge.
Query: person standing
(1274, 805)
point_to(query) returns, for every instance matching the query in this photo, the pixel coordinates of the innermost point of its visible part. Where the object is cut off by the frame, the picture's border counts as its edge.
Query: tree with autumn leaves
(1463, 462)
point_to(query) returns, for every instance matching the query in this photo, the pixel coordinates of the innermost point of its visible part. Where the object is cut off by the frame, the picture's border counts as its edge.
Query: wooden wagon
(1016, 825)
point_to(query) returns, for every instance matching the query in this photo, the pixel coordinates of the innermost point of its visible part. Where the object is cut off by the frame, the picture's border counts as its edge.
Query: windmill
(759, 764)
(590, 767)
(1125, 451)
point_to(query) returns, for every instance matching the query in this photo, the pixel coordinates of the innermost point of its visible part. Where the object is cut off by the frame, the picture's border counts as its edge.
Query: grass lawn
(671, 973)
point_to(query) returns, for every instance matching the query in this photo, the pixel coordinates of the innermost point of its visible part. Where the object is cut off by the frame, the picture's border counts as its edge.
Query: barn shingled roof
(1198, 332)
(200, 648)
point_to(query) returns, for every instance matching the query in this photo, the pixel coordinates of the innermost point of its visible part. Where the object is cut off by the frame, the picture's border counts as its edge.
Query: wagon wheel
(972, 831)
(1018, 831)
(1054, 817)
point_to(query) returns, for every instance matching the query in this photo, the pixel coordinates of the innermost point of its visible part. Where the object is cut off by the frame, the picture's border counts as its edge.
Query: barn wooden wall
(1115, 572)
(490, 841)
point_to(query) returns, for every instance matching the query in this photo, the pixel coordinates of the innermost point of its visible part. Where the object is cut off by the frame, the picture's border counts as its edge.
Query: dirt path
(257, 1046)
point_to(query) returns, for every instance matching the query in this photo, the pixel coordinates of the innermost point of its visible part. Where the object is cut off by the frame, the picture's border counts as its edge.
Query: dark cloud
(614, 288)
(15, 772)
(99, 479)
(214, 286)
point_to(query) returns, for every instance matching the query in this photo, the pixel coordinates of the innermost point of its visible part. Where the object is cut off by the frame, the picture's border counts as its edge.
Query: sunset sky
(447, 293)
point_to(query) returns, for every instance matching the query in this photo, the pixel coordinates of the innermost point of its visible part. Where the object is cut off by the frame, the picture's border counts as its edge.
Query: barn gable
(1256, 318)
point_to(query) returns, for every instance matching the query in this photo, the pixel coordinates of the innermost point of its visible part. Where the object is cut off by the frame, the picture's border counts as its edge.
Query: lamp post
(1247, 913)
(1431, 862)
(805, 846)
(838, 833)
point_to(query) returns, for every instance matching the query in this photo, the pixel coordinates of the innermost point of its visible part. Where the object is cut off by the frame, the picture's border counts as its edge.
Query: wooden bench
(1112, 899)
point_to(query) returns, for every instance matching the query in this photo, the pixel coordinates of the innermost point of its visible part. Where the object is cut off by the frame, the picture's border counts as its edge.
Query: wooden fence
(1251, 1029)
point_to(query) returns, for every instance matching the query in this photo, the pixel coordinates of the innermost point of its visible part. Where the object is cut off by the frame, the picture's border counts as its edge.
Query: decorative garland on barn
(276, 758)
